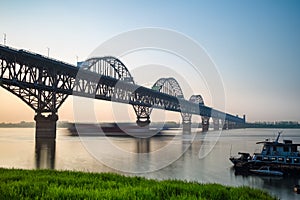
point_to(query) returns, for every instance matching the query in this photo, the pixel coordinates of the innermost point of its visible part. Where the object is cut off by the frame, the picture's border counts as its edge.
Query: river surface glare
(188, 158)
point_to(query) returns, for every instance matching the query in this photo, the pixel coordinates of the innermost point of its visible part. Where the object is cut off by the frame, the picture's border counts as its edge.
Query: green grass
(51, 184)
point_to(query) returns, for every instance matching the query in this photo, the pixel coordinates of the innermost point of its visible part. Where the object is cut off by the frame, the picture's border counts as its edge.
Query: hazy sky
(255, 44)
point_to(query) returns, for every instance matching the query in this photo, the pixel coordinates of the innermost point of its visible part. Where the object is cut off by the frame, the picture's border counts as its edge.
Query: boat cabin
(285, 152)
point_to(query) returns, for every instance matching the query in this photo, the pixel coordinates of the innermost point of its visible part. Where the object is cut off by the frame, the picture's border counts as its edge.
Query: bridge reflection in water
(143, 145)
(45, 149)
(45, 153)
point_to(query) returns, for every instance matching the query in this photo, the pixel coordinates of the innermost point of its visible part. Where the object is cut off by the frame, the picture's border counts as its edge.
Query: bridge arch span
(168, 86)
(187, 117)
(197, 98)
(108, 66)
(171, 86)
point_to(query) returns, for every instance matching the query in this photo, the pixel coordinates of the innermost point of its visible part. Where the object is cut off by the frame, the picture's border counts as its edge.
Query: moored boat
(281, 156)
(242, 157)
(265, 170)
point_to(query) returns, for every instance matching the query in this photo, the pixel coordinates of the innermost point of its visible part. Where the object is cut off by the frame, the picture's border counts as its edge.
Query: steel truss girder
(108, 66)
(15, 76)
(44, 84)
(197, 99)
(171, 87)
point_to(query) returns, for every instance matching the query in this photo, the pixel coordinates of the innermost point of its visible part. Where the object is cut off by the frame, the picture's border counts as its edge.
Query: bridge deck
(26, 70)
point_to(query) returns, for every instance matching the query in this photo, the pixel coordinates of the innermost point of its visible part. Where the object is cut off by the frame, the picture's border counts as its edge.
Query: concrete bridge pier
(141, 122)
(231, 125)
(205, 123)
(216, 124)
(187, 126)
(45, 126)
(225, 125)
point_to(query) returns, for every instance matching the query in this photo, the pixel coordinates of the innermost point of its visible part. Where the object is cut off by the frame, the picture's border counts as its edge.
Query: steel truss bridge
(44, 84)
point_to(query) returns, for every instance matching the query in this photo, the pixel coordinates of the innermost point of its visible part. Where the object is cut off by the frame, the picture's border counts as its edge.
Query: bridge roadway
(44, 84)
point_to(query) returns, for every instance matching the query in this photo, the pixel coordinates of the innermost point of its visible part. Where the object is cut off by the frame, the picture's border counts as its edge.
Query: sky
(254, 44)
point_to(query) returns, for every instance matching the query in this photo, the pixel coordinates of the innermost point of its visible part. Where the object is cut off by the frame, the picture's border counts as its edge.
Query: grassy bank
(51, 184)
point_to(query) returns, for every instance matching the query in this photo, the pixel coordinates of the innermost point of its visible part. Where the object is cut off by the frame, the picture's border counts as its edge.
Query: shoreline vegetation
(66, 124)
(52, 184)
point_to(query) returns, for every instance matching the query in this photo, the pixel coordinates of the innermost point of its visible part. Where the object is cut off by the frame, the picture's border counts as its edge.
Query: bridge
(44, 84)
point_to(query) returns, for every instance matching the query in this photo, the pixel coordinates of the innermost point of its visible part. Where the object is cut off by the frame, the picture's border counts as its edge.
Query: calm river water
(175, 156)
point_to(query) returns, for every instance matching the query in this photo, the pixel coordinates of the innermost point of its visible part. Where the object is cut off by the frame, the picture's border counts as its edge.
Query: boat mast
(278, 136)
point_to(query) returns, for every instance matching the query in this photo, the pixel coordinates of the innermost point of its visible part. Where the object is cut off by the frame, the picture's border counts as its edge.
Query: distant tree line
(279, 124)
(23, 124)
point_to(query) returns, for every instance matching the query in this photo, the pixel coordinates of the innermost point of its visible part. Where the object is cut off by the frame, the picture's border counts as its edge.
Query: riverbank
(52, 184)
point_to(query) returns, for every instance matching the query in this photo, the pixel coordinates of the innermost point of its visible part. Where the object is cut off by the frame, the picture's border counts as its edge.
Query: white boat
(265, 170)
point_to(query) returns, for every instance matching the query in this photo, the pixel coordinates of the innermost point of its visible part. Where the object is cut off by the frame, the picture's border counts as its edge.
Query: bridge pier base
(205, 124)
(231, 125)
(143, 123)
(225, 125)
(186, 126)
(216, 124)
(45, 126)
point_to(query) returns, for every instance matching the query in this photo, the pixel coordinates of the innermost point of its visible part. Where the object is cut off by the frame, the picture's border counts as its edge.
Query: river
(202, 157)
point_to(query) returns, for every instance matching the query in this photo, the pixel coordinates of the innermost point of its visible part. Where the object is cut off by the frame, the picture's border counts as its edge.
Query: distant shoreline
(280, 126)
(65, 124)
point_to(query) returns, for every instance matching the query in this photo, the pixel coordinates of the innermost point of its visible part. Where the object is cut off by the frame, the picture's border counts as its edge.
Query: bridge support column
(187, 126)
(142, 114)
(231, 125)
(205, 123)
(216, 124)
(45, 126)
(186, 122)
(225, 125)
(142, 122)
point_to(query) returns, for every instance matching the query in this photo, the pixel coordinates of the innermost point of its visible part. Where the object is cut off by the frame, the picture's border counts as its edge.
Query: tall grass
(51, 184)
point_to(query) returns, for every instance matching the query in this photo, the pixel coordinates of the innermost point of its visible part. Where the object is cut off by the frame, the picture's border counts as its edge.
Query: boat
(282, 156)
(265, 170)
(113, 129)
(242, 157)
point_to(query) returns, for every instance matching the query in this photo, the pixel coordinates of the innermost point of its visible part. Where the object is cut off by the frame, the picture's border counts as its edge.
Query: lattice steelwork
(44, 84)
(38, 86)
(108, 66)
(113, 67)
(168, 86)
(171, 87)
(197, 99)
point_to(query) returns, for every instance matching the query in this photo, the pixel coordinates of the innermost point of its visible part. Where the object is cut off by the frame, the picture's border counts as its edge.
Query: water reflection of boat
(265, 170)
(297, 189)
(281, 156)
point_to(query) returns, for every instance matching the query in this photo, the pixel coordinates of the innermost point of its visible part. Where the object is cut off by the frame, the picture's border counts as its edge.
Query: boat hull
(266, 172)
(246, 167)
